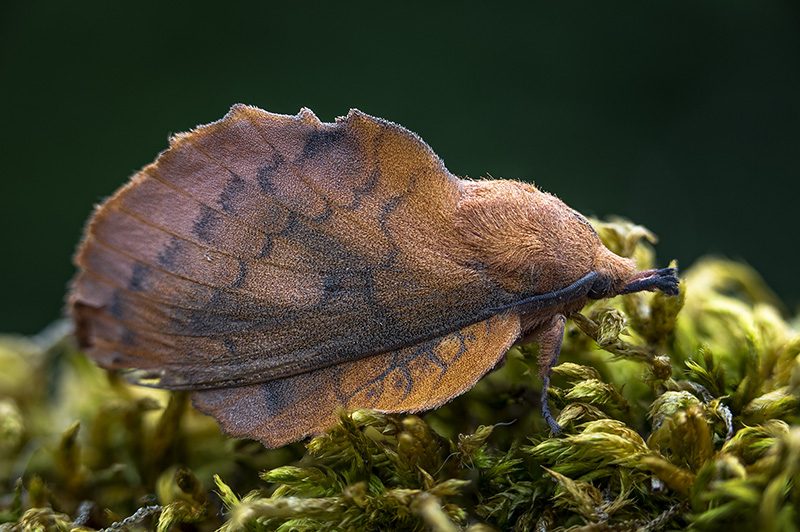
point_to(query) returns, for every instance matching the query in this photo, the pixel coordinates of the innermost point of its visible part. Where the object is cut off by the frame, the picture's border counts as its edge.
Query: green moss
(679, 413)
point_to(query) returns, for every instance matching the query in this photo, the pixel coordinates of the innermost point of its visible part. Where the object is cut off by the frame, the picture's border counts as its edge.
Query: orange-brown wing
(410, 379)
(264, 246)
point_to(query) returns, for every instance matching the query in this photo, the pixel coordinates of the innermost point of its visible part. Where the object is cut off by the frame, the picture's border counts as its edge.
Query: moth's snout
(665, 280)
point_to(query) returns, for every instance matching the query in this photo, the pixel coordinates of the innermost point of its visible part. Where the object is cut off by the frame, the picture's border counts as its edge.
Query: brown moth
(281, 268)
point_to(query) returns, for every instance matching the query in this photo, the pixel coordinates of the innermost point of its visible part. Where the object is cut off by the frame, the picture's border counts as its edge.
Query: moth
(281, 268)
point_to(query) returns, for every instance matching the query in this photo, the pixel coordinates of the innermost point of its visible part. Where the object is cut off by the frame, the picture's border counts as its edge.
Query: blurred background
(683, 116)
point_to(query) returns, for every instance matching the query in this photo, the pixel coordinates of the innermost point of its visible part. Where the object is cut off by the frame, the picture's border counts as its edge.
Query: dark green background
(682, 115)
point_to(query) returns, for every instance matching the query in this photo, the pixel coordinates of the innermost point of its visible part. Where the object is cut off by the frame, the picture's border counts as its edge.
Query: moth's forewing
(263, 246)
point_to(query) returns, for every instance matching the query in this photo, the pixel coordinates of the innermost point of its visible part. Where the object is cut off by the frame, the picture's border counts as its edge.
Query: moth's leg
(665, 280)
(549, 348)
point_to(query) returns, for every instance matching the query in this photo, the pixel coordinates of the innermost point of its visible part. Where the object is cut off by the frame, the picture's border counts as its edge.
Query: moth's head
(617, 275)
(613, 273)
(524, 236)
